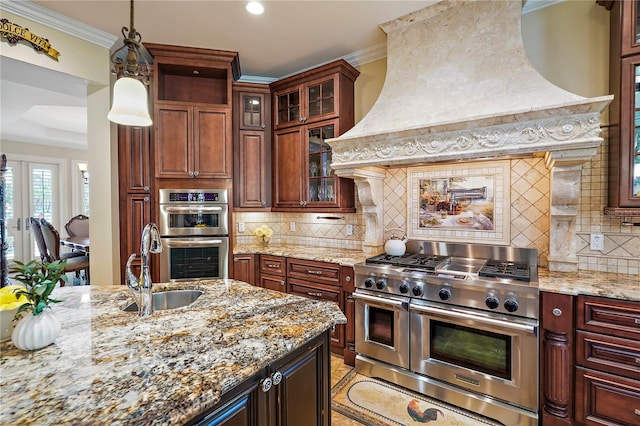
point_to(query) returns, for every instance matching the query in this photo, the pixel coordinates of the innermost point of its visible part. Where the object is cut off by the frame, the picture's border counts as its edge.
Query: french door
(32, 190)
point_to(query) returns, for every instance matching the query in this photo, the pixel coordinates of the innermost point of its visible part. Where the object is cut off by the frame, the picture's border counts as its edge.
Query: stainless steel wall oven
(457, 322)
(194, 225)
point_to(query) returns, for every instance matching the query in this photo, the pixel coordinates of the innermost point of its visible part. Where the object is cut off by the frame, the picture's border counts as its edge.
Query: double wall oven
(194, 225)
(457, 322)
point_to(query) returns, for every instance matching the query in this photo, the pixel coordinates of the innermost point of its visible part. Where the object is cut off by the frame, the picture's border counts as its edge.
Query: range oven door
(193, 219)
(493, 354)
(382, 327)
(194, 258)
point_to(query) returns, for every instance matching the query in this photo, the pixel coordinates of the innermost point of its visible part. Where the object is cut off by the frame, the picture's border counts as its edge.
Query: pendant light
(130, 105)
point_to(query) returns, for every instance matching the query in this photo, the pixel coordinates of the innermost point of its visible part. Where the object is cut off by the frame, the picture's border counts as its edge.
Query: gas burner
(421, 261)
(504, 269)
(386, 259)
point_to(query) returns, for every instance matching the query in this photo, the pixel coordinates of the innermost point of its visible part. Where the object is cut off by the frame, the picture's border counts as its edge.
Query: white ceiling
(289, 37)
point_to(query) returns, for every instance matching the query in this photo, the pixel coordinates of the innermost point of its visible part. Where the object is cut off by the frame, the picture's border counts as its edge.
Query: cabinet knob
(235, 259)
(347, 278)
(190, 173)
(276, 378)
(266, 384)
(557, 312)
(195, 174)
(281, 283)
(262, 126)
(263, 203)
(145, 199)
(146, 187)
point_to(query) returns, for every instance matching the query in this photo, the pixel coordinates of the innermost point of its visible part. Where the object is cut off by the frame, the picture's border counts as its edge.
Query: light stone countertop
(617, 286)
(111, 367)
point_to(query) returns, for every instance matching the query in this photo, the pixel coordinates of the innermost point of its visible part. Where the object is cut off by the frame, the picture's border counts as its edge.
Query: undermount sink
(171, 299)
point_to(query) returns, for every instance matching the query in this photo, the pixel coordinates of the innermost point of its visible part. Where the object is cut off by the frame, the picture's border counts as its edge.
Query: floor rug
(378, 403)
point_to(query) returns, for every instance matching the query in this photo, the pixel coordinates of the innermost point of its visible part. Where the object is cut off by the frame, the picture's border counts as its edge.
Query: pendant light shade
(130, 106)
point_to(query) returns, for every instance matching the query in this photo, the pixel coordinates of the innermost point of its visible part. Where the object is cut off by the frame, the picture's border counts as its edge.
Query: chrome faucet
(141, 287)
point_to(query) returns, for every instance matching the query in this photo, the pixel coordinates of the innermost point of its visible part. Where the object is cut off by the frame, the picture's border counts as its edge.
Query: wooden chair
(37, 235)
(75, 262)
(78, 226)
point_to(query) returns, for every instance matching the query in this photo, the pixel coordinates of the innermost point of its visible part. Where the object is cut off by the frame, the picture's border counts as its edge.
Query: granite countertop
(617, 286)
(111, 367)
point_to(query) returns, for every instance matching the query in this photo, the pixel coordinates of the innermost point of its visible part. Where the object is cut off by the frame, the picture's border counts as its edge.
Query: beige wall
(90, 62)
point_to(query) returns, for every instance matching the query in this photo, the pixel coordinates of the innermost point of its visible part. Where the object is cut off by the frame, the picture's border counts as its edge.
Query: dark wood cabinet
(192, 110)
(348, 287)
(589, 360)
(308, 109)
(135, 190)
(244, 268)
(624, 111)
(192, 142)
(273, 271)
(252, 146)
(291, 391)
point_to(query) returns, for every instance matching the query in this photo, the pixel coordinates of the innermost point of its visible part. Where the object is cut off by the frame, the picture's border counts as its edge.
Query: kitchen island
(111, 367)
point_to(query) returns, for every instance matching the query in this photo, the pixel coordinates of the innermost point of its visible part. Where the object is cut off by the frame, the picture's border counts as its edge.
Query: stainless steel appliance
(457, 322)
(194, 224)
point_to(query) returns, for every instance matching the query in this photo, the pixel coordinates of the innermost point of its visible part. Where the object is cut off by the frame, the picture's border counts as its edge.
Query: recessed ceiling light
(255, 8)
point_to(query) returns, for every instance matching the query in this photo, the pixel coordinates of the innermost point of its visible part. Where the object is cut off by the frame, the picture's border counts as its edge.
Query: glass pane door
(635, 147)
(321, 175)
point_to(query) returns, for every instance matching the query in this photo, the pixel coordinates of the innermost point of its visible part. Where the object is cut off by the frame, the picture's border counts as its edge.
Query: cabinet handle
(313, 272)
(556, 312)
(276, 378)
(637, 412)
(266, 384)
(281, 283)
(272, 266)
(637, 320)
(638, 361)
(314, 294)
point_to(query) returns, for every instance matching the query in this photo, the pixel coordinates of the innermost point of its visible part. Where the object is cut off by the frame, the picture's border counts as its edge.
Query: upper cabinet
(251, 146)
(192, 111)
(309, 108)
(624, 111)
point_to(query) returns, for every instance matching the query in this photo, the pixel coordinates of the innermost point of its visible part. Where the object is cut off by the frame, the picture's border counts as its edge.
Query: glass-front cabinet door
(630, 27)
(252, 112)
(321, 98)
(634, 146)
(307, 103)
(322, 179)
(624, 149)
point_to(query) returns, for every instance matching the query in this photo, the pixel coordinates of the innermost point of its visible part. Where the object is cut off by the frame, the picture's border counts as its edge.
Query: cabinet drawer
(273, 265)
(320, 272)
(273, 282)
(611, 354)
(605, 399)
(611, 317)
(315, 291)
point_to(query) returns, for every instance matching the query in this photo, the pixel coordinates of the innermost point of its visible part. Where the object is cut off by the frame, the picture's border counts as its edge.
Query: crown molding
(44, 16)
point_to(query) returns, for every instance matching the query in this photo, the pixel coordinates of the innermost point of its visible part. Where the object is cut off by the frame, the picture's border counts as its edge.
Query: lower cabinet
(589, 361)
(273, 272)
(244, 268)
(291, 391)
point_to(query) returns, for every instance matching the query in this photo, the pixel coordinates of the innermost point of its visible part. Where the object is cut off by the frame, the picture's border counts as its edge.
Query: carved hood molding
(459, 86)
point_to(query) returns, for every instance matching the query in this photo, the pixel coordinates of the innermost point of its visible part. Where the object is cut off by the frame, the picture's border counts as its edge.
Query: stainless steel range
(457, 322)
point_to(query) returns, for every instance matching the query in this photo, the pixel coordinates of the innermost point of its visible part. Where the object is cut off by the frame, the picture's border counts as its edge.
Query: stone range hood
(459, 86)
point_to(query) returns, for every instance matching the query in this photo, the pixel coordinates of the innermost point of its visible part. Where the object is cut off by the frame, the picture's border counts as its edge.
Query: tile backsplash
(530, 186)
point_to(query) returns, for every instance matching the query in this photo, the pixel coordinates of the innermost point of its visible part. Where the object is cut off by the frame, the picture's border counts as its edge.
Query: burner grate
(504, 269)
(421, 261)
(385, 259)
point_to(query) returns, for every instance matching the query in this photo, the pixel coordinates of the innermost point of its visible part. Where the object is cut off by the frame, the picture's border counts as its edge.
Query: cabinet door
(133, 155)
(174, 130)
(605, 399)
(244, 268)
(135, 213)
(303, 394)
(288, 168)
(211, 154)
(252, 111)
(630, 32)
(252, 173)
(625, 151)
(273, 282)
(287, 105)
(321, 99)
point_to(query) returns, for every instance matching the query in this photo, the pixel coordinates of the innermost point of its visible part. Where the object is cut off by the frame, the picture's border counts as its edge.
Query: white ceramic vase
(36, 331)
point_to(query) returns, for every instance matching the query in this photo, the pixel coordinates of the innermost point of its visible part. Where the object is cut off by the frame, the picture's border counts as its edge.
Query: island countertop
(111, 367)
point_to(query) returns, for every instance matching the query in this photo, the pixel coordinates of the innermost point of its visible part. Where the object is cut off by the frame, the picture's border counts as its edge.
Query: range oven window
(194, 220)
(195, 262)
(471, 348)
(381, 326)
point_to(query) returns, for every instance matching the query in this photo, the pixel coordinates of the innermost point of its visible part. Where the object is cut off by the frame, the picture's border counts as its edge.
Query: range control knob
(444, 293)
(404, 287)
(492, 302)
(368, 283)
(417, 291)
(511, 305)
(381, 284)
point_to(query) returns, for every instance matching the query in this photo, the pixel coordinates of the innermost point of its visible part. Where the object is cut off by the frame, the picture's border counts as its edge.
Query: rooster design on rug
(422, 416)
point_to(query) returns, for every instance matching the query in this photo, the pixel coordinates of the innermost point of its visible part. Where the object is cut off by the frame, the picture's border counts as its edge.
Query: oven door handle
(196, 209)
(463, 315)
(189, 243)
(381, 301)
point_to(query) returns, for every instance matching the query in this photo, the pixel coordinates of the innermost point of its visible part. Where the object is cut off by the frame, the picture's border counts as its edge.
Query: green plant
(39, 281)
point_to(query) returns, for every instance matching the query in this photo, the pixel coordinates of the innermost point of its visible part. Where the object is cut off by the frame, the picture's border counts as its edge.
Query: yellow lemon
(8, 298)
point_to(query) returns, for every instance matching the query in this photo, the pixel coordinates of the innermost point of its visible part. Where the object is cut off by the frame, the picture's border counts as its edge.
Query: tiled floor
(338, 371)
